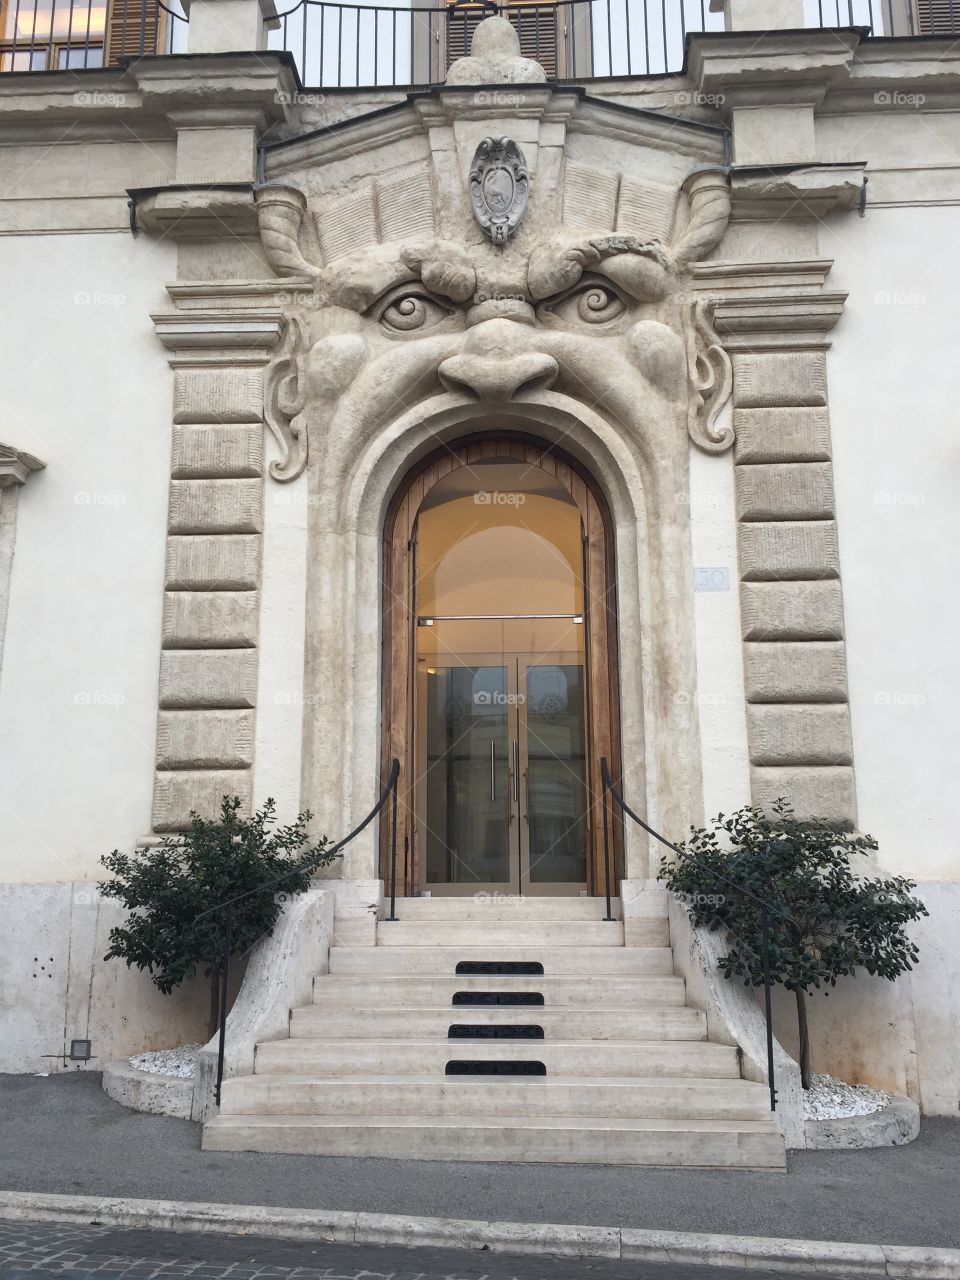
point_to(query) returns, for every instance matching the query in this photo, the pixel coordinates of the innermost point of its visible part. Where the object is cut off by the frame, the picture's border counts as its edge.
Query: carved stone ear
(280, 210)
(285, 399)
(710, 379)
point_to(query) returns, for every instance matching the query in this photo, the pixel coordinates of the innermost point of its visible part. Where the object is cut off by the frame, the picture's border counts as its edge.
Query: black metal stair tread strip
(494, 1031)
(465, 1067)
(502, 967)
(497, 997)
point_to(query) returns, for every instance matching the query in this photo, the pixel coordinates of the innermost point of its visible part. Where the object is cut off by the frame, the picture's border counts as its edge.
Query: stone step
(504, 933)
(376, 1058)
(493, 906)
(661, 1023)
(438, 961)
(496, 1096)
(728, 1144)
(401, 991)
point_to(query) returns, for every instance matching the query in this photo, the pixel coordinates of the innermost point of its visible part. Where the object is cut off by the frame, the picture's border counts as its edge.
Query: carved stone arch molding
(391, 325)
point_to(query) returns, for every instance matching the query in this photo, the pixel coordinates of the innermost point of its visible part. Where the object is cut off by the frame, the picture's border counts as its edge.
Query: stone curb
(828, 1258)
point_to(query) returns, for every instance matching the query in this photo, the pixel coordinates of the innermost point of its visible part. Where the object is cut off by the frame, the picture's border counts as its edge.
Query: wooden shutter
(938, 17)
(133, 27)
(536, 26)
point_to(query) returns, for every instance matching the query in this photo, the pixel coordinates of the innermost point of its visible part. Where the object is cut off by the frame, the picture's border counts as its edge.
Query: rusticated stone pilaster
(209, 662)
(798, 719)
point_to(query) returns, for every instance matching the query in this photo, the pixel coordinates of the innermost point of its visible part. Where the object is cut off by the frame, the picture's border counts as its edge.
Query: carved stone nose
(491, 378)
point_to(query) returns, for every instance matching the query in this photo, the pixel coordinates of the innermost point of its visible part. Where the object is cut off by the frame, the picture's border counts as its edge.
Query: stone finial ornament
(499, 187)
(495, 58)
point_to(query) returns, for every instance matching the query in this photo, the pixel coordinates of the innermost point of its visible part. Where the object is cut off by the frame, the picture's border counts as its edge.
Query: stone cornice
(690, 138)
(383, 127)
(795, 191)
(220, 337)
(16, 466)
(772, 69)
(770, 305)
(195, 212)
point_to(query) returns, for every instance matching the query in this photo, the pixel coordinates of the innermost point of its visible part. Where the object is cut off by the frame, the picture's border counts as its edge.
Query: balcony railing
(409, 44)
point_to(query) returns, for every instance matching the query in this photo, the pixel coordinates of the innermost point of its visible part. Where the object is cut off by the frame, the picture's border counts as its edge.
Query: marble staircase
(566, 1046)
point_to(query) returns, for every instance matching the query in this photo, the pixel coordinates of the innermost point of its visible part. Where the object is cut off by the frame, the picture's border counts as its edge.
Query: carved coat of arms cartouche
(499, 187)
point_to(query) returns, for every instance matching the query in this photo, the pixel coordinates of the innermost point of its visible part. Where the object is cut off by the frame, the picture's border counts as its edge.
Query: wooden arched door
(500, 671)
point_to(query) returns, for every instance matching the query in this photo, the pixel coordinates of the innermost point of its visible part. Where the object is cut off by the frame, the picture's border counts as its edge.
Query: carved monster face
(601, 322)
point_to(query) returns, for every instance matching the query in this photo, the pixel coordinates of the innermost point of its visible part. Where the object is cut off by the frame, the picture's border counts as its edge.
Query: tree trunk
(804, 1039)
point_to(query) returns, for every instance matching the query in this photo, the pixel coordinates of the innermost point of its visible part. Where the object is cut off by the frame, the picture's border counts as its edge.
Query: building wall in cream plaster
(87, 390)
(895, 471)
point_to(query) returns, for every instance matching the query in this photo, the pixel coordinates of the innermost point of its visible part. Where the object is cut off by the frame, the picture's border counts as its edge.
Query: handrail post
(604, 787)
(224, 980)
(768, 1012)
(393, 852)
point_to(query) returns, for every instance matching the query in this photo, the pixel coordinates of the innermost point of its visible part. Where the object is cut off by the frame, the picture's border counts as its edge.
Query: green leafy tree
(831, 922)
(166, 887)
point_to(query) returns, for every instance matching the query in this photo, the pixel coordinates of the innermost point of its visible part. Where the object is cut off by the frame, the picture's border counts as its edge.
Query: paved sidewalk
(53, 1252)
(62, 1134)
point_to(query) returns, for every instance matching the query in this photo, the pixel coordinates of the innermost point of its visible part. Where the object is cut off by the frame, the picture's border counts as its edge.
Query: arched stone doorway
(500, 669)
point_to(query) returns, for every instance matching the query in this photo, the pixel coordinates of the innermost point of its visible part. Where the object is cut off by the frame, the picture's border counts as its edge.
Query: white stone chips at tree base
(832, 1099)
(180, 1062)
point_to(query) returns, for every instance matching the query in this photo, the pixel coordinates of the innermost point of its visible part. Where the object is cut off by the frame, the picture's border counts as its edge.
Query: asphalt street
(62, 1134)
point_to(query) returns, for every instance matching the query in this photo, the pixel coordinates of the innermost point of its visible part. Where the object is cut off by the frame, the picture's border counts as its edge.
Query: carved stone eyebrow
(639, 267)
(442, 266)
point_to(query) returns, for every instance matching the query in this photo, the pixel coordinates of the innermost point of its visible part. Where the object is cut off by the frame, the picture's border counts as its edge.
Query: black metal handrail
(611, 792)
(226, 909)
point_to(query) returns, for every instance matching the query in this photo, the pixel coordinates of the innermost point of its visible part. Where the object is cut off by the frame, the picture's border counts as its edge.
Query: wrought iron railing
(79, 35)
(344, 45)
(613, 796)
(223, 916)
(408, 44)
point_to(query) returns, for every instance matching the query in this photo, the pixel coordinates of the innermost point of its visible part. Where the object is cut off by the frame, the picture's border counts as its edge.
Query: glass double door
(503, 772)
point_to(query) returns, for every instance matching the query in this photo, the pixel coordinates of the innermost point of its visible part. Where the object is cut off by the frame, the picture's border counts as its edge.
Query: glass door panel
(465, 718)
(554, 767)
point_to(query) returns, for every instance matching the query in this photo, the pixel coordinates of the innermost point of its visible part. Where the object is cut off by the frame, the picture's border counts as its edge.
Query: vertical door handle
(493, 770)
(516, 770)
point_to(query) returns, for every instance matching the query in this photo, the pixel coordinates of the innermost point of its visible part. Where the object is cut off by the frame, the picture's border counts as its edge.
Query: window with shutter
(51, 35)
(938, 17)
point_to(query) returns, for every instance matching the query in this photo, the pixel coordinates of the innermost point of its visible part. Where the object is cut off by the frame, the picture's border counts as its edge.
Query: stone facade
(665, 307)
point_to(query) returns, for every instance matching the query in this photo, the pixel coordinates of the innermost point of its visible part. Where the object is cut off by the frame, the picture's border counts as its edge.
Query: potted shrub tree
(838, 920)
